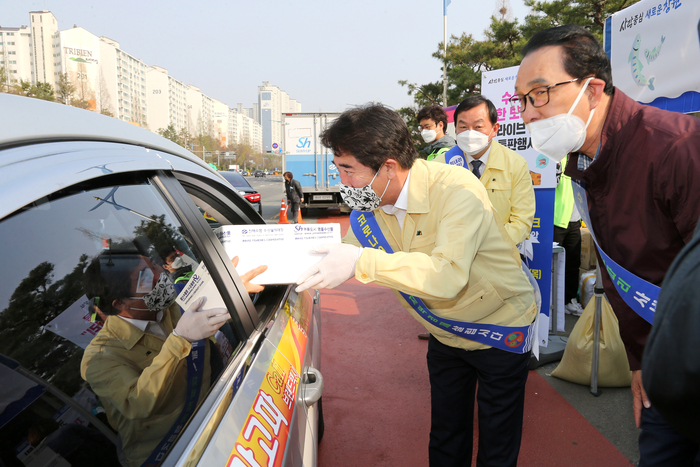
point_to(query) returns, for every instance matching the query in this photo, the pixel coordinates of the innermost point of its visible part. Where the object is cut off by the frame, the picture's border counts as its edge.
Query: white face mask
(178, 263)
(472, 142)
(557, 136)
(429, 135)
(362, 199)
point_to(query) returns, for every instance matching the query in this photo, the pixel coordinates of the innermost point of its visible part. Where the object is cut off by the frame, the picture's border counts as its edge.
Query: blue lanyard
(637, 293)
(516, 339)
(195, 371)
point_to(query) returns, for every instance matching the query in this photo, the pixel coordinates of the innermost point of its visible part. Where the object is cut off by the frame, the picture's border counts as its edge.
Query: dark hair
(583, 55)
(475, 101)
(435, 113)
(163, 254)
(372, 134)
(107, 279)
(288, 173)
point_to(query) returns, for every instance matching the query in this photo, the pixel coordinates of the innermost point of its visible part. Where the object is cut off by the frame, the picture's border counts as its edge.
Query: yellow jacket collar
(128, 334)
(497, 157)
(419, 188)
(125, 332)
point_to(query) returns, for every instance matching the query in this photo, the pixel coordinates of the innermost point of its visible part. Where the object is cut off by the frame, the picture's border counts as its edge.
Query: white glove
(197, 323)
(333, 269)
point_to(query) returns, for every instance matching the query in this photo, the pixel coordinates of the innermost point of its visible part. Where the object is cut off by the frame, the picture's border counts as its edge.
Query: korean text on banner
(650, 45)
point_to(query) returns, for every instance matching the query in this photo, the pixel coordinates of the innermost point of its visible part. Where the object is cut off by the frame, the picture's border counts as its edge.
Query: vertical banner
(498, 86)
(652, 46)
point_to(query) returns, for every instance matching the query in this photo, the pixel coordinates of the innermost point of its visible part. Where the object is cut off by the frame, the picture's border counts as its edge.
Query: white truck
(309, 161)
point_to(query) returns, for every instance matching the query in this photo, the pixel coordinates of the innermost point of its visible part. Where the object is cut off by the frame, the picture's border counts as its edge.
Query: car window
(235, 179)
(119, 389)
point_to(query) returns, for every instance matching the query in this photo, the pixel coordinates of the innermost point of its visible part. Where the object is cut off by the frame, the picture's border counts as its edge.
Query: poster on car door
(654, 49)
(264, 436)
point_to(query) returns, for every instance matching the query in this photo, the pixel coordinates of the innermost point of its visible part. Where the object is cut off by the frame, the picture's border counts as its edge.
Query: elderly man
(639, 166)
(503, 172)
(429, 232)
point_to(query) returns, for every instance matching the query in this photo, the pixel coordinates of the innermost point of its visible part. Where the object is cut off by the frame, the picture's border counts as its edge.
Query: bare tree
(104, 100)
(64, 89)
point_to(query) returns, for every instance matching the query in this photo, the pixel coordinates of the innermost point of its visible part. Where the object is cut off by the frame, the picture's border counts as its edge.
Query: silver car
(85, 197)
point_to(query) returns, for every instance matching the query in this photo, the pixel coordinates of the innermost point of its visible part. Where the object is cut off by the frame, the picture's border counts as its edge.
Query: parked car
(259, 173)
(244, 188)
(84, 199)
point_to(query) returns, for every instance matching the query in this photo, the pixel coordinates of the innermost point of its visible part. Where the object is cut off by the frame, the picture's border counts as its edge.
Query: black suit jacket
(293, 188)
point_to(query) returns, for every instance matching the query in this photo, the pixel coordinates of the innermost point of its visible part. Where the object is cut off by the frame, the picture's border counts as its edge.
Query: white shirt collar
(401, 201)
(142, 324)
(484, 158)
(401, 206)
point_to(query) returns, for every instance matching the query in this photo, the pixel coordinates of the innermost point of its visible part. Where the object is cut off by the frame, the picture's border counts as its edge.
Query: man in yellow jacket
(453, 257)
(138, 363)
(503, 172)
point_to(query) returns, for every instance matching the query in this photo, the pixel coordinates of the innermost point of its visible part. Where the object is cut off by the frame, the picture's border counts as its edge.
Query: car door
(273, 419)
(65, 206)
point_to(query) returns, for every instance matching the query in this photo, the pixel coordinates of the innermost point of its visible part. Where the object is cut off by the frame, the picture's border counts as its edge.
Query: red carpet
(376, 399)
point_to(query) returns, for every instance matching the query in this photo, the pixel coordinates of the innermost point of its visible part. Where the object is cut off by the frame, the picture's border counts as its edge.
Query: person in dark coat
(639, 166)
(671, 367)
(294, 196)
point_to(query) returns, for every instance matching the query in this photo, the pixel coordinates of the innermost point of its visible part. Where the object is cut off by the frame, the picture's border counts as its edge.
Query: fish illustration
(637, 65)
(654, 54)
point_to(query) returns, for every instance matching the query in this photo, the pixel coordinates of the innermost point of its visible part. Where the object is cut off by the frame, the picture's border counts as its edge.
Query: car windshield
(235, 179)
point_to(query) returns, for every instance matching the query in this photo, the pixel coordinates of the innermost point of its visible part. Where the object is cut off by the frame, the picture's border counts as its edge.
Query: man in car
(638, 167)
(138, 363)
(294, 195)
(433, 123)
(451, 251)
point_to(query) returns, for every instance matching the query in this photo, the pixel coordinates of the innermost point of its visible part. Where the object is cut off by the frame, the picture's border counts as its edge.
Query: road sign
(275, 145)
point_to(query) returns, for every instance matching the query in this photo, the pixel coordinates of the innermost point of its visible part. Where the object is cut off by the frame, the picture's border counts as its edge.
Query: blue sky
(329, 55)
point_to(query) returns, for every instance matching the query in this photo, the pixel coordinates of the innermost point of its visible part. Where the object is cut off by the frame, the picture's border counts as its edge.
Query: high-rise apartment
(16, 54)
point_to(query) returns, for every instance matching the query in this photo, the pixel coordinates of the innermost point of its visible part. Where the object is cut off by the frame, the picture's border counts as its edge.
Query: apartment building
(16, 54)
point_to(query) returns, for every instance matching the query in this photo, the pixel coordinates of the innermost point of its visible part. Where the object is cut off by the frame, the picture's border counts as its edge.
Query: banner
(498, 86)
(74, 324)
(652, 46)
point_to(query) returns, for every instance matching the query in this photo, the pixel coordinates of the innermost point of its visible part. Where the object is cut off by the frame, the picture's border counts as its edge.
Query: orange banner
(263, 439)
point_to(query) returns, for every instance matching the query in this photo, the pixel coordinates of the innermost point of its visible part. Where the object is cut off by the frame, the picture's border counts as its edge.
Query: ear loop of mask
(580, 95)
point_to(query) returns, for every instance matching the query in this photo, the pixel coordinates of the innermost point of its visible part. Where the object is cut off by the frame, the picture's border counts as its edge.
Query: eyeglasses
(538, 96)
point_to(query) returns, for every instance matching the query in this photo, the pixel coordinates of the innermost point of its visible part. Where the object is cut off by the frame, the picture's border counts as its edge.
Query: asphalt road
(271, 189)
